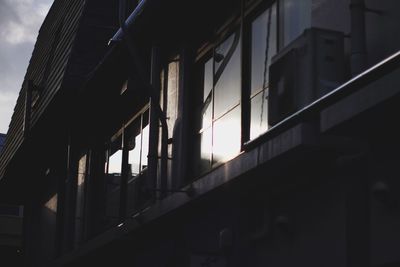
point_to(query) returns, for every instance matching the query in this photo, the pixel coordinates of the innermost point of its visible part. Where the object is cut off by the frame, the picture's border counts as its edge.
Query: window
(263, 48)
(169, 104)
(137, 134)
(219, 132)
(295, 17)
(137, 145)
(219, 96)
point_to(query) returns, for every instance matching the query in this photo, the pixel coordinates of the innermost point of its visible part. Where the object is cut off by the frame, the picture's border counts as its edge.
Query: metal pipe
(126, 24)
(123, 34)
(358, 37)
(154, 125)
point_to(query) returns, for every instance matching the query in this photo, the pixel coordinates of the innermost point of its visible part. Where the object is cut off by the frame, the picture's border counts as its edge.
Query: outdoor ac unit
(309, 67)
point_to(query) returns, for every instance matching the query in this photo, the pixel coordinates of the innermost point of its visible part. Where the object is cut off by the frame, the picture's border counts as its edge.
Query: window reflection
(227, 82)
(263, 48)
(226, 143)
(258, 115)
(115, 163)
(219, 135)
(138, 144)
(145, 147)
(207, 94)
(171, 108)
(295, 17)
(134, 147)
(205, 150)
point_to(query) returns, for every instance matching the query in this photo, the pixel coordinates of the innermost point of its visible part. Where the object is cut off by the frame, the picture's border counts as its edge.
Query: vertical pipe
(164, 138)
(181, 153)
(358, 37)
(154, 120)
(124, 180)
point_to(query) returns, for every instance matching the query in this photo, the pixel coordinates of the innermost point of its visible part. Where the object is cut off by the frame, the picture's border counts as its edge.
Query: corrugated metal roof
(49, 51)
(71, 42)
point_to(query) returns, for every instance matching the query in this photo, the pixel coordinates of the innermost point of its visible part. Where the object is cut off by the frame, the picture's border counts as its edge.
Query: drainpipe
(358, 37)
(156, 113)
(154, 120)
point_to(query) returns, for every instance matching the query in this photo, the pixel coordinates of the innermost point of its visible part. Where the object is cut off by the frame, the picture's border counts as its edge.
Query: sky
(20, 21)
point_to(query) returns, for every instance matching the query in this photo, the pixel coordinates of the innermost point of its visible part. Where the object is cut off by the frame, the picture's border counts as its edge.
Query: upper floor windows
(127, 157)
(169, 103)
(218, 132)
(137, 134)
(114, 154)
(263, 48)
(223, 90)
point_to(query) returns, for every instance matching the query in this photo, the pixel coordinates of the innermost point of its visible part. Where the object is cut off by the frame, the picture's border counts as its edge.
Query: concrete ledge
(368, 97)
(300, 136)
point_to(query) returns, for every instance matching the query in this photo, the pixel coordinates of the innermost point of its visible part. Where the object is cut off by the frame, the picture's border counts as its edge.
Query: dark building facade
(2, 139)
(209, 133)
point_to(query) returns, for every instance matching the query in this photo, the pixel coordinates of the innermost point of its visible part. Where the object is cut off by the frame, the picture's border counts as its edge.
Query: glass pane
(134, 144)
(259, 115)
(207, 95)
(115, 162)
(145, 147)
(295, 18)
(204, 163)
(263, 33)
(207, 113)
(172, 96)
(227, 75)
(227, 135)
(208, 79)
(134, 154)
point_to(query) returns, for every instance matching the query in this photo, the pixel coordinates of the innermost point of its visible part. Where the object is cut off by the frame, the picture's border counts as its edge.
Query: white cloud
(20, 21)
(24, 25)
(7, 103)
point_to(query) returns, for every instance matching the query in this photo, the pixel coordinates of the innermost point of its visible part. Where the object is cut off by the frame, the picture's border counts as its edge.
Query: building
(11, 218)
(2, 139)
(209, 133)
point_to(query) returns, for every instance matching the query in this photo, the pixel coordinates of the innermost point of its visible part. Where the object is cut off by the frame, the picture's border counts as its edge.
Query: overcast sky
(20, 21)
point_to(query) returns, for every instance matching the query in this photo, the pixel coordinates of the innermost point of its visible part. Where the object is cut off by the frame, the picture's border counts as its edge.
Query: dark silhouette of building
(2, 139)
(10, 228)
(209, 133)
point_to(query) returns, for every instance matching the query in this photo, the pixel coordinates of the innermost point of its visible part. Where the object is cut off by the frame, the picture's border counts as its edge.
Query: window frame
(250, 11)
(251, 14)
(139, 116)
(205, 53)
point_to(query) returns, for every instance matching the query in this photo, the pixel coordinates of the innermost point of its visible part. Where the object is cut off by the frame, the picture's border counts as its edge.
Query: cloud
(20, 21)
(7, 103)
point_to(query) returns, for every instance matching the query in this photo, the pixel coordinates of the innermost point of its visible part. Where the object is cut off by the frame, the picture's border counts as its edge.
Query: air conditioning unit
(311, 66)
